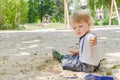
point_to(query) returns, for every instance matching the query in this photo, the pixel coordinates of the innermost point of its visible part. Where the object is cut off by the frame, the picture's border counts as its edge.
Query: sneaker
(57, 55)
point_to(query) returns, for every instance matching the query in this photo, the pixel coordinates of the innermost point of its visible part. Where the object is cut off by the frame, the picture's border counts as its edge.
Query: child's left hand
(93, 41)
(73, 53)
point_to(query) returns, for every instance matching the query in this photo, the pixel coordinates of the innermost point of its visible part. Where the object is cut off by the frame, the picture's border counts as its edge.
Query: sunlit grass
(35, 26)
(54, 25)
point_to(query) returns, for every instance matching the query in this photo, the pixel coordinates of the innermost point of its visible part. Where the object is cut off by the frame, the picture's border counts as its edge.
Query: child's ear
(89, 23)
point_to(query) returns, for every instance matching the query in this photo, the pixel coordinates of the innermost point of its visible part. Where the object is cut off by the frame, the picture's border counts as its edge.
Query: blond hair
(80, 16)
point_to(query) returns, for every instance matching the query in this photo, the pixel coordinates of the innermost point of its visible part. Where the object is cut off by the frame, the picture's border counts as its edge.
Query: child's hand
(93, 41)
(73, 53)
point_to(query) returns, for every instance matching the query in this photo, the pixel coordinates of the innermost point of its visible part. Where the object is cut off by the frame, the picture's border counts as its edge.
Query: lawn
(34, 26)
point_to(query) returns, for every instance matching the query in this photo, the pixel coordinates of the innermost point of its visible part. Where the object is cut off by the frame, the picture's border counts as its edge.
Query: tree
(45, 7)
(38, 8)
(59, 11)
(52, 7)
(32, 11)
(12, 13)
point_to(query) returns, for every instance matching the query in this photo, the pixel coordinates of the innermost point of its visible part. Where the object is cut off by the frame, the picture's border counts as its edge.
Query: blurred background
(42, 14)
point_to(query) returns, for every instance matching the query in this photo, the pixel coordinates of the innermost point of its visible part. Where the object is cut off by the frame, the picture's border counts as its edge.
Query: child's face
(81, 28)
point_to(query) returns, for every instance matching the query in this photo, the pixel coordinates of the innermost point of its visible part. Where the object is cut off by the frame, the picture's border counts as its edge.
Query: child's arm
(92, 41)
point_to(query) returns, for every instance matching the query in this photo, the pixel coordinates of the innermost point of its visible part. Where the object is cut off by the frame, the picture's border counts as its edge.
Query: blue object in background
(106, 78)
(92, 77)
(96, 77)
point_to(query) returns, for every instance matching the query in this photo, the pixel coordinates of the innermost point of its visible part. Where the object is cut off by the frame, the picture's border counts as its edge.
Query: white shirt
(87, 54)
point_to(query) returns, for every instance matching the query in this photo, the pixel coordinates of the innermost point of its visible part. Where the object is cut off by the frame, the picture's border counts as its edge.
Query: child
(87, 59)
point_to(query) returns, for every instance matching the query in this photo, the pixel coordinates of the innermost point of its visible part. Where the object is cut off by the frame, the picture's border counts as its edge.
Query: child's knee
(66, 65)
(63, 65)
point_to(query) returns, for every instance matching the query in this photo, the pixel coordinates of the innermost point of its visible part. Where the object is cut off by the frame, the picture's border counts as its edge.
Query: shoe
(57, 55)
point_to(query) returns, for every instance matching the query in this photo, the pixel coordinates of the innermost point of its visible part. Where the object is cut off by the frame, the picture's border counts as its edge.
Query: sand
(26, 55)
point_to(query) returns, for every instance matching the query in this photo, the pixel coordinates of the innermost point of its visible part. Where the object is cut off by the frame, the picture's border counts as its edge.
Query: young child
(86, 59)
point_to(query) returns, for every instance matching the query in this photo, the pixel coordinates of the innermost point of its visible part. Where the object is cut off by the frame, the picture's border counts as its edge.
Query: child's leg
(72, 63)
(67, 56)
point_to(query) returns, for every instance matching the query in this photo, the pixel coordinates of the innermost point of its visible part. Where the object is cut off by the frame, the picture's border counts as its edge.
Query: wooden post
(111, 10)
(66, 15)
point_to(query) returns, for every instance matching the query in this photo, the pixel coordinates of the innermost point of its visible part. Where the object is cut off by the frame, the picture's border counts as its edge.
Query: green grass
(34, 26)
(54, 25)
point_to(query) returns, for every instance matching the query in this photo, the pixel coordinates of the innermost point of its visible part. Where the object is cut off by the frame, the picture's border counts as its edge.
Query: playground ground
(26, 55)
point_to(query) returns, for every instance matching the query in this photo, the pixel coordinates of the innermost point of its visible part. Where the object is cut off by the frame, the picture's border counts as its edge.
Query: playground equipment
(100, 15)
(99, 12)
(113, 4)
(46, 18)
(66, 16)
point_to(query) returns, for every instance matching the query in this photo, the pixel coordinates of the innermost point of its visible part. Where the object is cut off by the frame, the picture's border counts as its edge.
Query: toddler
(86, 59)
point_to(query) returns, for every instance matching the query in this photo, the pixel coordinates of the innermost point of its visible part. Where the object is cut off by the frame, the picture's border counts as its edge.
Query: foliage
(118, 3)
(91, 5)
(12, 13)
(38, 8)
(23, 10)
(105, 21)
(45, 7)
(32, 11)
(59, 11)
(16, 12)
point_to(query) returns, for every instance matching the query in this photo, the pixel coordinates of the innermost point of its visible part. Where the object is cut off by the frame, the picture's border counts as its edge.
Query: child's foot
(57, 55)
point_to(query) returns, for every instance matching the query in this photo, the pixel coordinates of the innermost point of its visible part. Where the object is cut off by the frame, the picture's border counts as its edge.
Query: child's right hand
(73, 53)
(93, 41)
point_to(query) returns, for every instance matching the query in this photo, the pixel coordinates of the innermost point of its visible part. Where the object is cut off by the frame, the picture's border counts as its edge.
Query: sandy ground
(26, 55)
